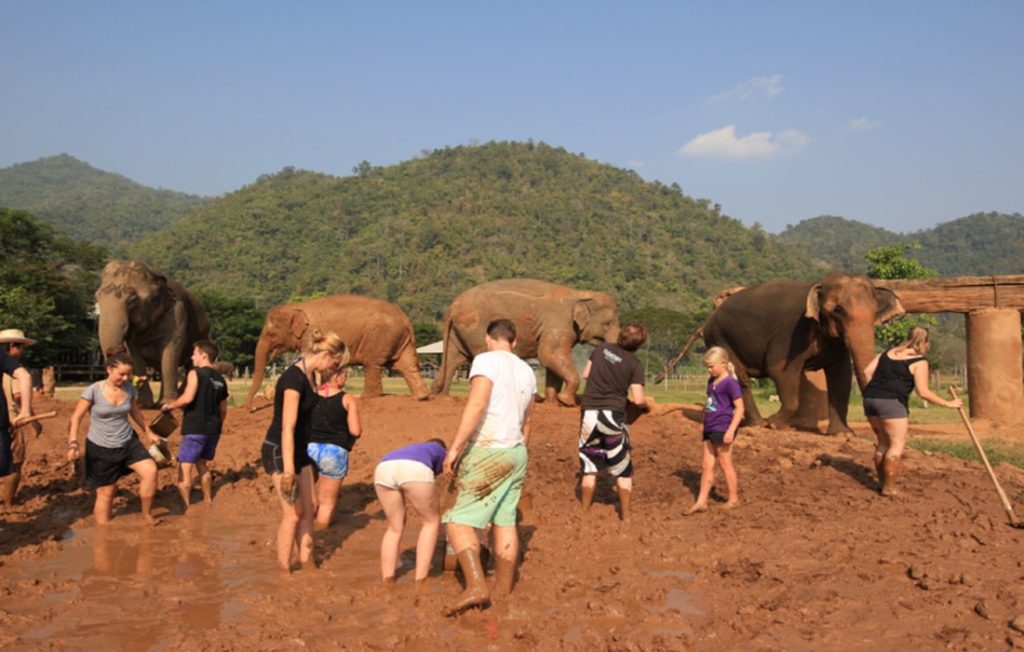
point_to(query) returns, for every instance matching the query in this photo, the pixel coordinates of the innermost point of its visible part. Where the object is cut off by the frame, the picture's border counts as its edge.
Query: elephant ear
(581, 313)
(298, 325)
(889, 305)
(813, 307)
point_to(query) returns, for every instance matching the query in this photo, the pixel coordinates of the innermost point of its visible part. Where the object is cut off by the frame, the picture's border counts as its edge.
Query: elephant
(154, 317)
(376, 333)
(780, 329)
(550, 319)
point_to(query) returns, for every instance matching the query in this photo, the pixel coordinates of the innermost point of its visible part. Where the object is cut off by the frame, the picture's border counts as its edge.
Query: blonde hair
(330, 342)
(918, 339)
(718, 354)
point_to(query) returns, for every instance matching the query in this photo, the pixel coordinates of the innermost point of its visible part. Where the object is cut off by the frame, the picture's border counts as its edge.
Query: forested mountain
(89, 204)
(420, 232)
(976, 245)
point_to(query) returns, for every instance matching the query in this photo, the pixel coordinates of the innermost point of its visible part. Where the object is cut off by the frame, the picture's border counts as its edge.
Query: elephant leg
(751, 415)
(552, 386)
(557, 359)
(787, 383)
(169, 373)
(839, 379)
(451, 361)
(408, 364)
(372, 385)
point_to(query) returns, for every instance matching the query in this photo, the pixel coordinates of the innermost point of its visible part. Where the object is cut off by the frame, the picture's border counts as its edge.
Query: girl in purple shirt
(407, 474)
(723, 413)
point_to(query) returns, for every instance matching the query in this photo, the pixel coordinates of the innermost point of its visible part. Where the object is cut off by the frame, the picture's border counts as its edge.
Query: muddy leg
(707, 479)
(625, 490)
(372, 385)
(104, 500)
(147, 487)
(588, 485)
(467, 548)
(506, 545)
(205, 480)
(9, 486)
(185, 483)
(393, 503)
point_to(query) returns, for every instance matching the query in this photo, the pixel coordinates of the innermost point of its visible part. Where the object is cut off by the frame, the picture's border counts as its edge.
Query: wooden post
(994, 373)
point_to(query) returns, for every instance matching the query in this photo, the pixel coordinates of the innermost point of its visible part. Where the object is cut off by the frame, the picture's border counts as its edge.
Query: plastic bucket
(163, 424)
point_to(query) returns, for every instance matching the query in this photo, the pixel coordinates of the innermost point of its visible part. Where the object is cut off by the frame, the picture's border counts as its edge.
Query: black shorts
(105, 466)
(6, 456)
(885, 408)
(718, 438)
(273, 461)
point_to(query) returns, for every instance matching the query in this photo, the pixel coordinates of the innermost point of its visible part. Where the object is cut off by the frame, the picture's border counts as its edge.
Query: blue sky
(899, 114)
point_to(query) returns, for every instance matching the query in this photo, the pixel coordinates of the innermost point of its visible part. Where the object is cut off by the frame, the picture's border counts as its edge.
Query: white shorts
(394, 473)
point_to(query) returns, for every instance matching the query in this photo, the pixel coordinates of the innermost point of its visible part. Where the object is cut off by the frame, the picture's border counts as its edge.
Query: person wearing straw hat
(12, 343)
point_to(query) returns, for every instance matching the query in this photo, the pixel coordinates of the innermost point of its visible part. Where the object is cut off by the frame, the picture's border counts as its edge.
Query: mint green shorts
(490, 481)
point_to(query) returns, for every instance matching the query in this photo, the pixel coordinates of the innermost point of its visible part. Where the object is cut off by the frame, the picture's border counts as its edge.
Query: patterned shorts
(331, 460)
(604, 443)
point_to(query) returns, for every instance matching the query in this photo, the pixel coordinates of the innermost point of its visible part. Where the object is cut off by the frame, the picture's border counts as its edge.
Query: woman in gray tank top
(111, 448)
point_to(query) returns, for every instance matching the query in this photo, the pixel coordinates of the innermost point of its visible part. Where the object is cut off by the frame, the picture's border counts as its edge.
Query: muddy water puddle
(129, 587)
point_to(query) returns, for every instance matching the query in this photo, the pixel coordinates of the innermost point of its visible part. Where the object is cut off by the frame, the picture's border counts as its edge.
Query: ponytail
(719, 354)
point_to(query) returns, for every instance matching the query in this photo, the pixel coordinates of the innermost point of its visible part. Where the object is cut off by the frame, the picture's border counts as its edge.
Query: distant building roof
(436, 347)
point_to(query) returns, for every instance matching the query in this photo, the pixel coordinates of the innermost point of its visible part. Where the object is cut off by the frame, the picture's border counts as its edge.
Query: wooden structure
(992, 306)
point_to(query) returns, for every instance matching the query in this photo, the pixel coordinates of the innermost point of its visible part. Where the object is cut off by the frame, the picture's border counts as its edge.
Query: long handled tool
(37, 417)
(988, 467)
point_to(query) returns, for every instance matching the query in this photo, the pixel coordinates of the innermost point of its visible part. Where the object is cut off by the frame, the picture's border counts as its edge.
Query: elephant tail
(679, 356)
(443, 380)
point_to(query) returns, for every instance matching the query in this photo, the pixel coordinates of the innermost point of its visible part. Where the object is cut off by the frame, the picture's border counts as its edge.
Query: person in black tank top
(334, 428)
(284, 449)
(205, 405)
(894, 374)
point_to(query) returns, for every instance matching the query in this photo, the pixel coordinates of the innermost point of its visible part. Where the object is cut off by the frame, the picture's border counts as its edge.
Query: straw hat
(15, 336)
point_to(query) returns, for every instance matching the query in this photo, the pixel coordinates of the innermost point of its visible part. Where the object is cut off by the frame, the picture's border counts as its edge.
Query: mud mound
(812, 558)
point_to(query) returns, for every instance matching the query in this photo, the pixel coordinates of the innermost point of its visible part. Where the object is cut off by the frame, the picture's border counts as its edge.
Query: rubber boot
(587, 497)
(504, 575)
(891, 469)
(625, 496)
(880, 468)
(476, 593)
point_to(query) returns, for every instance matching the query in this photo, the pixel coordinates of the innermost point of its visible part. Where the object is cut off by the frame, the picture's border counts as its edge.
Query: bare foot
(732, 504)
(151, 520)
(696, 507)
(469, 600)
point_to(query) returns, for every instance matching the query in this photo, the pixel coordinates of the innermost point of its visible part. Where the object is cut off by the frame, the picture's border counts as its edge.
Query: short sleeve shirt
(8, 364)
(109, 426)
(612, 370)
(293, 378)
(719, 409)
(514, 387)
(428, 453)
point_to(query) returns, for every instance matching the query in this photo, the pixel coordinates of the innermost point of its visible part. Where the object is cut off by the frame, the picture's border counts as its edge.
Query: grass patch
(996, 450)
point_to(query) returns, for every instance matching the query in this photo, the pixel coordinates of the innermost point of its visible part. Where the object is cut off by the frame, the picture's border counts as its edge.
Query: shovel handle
(36, 417)
(988, 467)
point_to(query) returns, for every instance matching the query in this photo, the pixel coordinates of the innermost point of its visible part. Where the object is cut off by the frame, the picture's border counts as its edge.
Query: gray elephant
(779, 329)
(156, 318)
(550, 319)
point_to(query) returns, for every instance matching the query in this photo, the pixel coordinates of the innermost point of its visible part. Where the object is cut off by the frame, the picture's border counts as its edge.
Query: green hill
(419, 232)
(90, 204)
(976, 245)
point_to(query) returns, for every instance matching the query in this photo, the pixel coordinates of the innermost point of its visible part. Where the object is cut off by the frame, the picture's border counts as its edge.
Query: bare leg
(205, 480)
(896, 430)
(625, 489)
(707, 479)
(306, 515)
(9, 486)
(147, 487)
(588, 485)
(724, 455)
(393, 503)
(286, 529)
(104, 500)
(327, 496)
(467, 547)
(185, 482)
(423, 497)
(506, 545)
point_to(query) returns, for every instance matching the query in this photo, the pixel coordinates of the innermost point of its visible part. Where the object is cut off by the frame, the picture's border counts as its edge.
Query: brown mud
(813, 557)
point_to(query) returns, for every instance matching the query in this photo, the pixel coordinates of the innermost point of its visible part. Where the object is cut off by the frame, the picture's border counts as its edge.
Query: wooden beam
(959, 294)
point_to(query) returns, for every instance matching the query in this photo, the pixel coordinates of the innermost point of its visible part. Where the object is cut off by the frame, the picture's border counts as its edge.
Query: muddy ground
(813, 559)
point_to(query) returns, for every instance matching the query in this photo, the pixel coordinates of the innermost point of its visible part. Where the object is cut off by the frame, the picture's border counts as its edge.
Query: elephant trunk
(113, 326)
(861, 343)
(259, 366)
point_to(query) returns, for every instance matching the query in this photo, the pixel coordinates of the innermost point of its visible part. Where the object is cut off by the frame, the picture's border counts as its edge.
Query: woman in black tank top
(894, 374)
(334, 428)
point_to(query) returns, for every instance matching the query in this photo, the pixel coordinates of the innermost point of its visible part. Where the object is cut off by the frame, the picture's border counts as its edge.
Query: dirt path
(814, 558)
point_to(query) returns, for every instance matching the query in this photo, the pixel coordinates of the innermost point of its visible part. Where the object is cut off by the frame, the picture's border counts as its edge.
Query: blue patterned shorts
(331, 460)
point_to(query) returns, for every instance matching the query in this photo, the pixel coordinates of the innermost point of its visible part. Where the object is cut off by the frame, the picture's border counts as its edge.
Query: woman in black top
(895, 373)
(284, 449)
(334, 428)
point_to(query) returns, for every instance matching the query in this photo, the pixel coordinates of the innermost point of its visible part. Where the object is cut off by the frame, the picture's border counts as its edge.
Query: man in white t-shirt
(490, 472)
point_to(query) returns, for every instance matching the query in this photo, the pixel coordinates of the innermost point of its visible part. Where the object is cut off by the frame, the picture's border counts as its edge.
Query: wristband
(72, 443)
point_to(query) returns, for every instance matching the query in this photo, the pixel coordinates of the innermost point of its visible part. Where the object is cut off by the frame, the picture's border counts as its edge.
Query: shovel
(988, 467)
